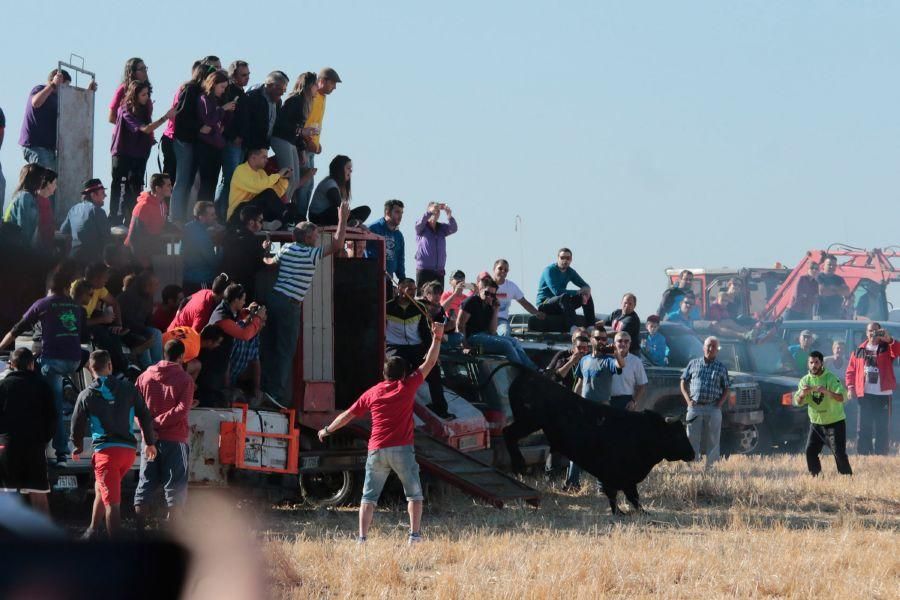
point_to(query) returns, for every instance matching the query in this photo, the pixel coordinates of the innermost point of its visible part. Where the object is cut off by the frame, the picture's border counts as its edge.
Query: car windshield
(773, 358)
(684, 345)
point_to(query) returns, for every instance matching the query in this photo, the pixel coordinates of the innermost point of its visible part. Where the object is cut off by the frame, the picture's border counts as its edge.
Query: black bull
(618, 447)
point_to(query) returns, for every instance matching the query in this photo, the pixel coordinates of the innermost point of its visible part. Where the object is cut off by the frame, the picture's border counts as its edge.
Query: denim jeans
(379, 464)
(279, 344)
(304, 193)
(153, 354)
(232, 156)
(288, 157)
(186, 169)
(566, 304)
(704, 426)
(53, 370)
(504, 346)
(42, 156)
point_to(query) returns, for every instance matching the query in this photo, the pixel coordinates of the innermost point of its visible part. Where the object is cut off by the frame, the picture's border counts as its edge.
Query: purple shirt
(39, 124)
(211, 115)
(63, 325)
(431, 244)
(128, 139)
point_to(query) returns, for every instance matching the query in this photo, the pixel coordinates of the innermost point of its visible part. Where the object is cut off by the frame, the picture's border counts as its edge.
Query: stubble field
(753, 527)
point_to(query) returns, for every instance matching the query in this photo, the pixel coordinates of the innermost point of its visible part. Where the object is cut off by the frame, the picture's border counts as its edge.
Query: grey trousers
(704, 428)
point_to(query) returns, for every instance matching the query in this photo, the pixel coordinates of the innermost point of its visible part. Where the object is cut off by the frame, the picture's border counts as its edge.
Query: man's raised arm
(338, 242)
(437, 334)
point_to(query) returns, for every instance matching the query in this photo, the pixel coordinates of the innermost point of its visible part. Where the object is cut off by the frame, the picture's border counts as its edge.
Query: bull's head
(675, 442)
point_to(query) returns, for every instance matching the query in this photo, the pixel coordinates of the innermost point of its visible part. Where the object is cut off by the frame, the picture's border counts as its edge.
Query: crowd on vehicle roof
(204, 342)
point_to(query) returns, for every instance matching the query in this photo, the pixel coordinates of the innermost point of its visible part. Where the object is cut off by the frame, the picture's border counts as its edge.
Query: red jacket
(196, 311)
(148, 219)
(856, 369)
(169, 392)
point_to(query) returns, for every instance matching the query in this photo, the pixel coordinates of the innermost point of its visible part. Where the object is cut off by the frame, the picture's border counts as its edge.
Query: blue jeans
(399, 459)
(53, 370)
(279, 344)
(185, 171)
(504, 346)
(304, 193)
(232, 156)
(153, 354)
(42, 156)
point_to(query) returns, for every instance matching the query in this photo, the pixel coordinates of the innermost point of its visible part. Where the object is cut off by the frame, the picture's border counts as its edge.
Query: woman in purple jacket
(211, 140)
(131, 144)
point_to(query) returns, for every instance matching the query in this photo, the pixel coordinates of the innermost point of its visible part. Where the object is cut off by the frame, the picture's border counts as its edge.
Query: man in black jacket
(257, 110)
(27, 424)
(233, 152)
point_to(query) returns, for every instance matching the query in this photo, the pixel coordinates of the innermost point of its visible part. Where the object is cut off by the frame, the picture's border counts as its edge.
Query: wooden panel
(318, 322)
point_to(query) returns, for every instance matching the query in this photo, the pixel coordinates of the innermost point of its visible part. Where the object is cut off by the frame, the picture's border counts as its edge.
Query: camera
(255, 309)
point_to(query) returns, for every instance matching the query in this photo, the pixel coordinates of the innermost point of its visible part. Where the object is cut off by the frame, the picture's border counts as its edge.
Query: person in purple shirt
(63, 328)
(211, 139)
(131, 144)
(38, 135)
(431, 243)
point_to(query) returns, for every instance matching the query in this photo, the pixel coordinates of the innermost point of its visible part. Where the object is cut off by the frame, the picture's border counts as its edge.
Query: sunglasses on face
(490, 295)
(599, 339)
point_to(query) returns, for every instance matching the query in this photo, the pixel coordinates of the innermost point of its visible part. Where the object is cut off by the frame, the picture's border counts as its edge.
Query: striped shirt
(296, 268)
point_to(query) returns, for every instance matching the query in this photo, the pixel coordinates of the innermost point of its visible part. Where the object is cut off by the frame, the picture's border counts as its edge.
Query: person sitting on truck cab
(554, 299)
(832, 290)
(801, 351)
(507, 291)
(477, 323)
(671, 298)
(806, 295)
(251, 184)
(627, 320)
(684, 316)
(655, 344)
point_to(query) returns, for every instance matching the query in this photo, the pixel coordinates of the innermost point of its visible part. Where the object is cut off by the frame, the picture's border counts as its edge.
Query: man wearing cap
(325, 84)
(801, 351)
(88, 224)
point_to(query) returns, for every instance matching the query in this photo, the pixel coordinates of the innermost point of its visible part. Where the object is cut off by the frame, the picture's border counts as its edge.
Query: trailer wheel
(332, 489)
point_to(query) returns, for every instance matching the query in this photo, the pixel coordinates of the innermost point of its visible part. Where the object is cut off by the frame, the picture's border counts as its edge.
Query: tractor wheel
(332, 489)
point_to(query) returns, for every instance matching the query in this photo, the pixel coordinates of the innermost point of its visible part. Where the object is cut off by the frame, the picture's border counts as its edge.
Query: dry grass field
(753, 527)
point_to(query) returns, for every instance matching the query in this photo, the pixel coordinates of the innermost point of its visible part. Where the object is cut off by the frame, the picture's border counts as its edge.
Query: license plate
(66, 482)
(469, 441)
(309, 462)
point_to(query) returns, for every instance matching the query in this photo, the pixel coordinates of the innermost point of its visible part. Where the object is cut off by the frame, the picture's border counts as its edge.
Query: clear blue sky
(642, 134)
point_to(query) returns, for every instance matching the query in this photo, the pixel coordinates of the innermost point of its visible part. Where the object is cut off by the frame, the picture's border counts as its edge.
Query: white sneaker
(271, 225)
(414, 538)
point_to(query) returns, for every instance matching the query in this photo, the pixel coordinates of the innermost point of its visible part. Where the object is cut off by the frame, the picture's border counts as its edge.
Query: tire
(332, 489)
(748, 439)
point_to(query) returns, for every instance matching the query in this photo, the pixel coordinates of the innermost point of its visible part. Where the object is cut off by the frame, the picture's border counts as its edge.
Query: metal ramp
(469, 474)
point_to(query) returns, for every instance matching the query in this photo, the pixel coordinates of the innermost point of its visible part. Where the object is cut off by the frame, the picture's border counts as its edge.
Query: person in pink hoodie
(169, 393)
(148, 221)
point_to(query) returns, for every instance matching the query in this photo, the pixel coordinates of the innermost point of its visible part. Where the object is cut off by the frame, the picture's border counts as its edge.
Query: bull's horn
(672, 419)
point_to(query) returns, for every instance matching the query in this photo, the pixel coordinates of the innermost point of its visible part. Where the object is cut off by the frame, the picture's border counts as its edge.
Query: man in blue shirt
(554, 299)
(201, 262)
(594, 375)
(685, 314)
(394, 247)
(88, 224)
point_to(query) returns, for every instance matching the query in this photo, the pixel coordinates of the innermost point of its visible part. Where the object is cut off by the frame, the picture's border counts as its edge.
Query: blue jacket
(201, 263)
(395, 250)
(23, 211)
(88, 225)
(554, 282)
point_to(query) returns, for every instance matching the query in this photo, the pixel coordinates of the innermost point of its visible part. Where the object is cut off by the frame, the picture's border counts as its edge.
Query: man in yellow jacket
(250, 184)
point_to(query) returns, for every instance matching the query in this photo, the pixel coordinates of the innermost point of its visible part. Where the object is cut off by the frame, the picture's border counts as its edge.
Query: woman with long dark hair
(331, 191)
(31, 208)
(135, 70)
(289, 132)
(185, 127)
(210, 140)
(132, 141)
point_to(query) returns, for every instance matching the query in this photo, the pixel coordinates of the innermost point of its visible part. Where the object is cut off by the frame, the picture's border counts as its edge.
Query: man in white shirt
(628, 386)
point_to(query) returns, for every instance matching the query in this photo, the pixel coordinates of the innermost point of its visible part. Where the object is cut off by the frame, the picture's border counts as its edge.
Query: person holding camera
(223, 364)
(823, 394)
(870, 378)
(431, 243)
(477, 323)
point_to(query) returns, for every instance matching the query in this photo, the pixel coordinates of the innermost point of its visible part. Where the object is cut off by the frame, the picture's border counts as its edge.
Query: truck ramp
(469, 474)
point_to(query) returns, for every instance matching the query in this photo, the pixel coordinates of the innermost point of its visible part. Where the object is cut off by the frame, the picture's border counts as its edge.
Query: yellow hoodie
(246, 184)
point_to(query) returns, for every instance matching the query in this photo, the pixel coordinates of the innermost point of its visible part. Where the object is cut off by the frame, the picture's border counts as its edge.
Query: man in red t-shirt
(391, 442)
